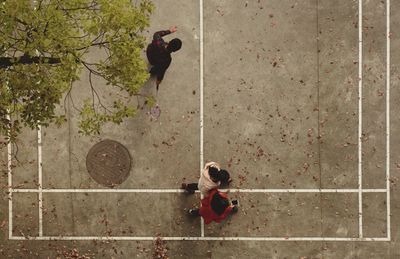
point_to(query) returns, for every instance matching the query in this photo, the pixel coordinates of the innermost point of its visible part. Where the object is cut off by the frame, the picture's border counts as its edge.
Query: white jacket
(205, 183)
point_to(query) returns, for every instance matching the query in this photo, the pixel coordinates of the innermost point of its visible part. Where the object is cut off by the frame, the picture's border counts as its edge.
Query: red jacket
(206, 211)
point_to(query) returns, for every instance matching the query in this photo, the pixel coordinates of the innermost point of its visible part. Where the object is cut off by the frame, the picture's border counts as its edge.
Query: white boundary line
(10, 189)
(360, 60)
(182, 191)
(144, 238)
(40, 189)
(388, 117)
(201, 100)
(40, 182)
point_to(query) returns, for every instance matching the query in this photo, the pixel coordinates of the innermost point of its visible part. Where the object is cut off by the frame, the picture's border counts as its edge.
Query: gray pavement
(280, 112)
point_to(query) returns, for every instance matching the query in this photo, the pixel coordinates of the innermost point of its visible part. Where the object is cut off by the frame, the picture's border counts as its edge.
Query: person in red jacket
(215, 207)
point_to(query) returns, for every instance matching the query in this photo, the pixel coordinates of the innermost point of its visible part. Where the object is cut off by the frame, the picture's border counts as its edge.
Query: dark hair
(223, 176)
(174, 45)
(219, 203)
(214, 173)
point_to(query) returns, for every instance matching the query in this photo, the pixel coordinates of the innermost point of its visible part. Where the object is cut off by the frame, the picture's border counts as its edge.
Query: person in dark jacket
(159, 53)
(215, 207)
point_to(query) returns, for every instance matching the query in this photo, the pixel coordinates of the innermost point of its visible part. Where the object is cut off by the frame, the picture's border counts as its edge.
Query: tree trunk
(25, 59)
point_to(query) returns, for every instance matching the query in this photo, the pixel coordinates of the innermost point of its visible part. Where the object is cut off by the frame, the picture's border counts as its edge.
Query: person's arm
(217, 165)
(158, 35)
(207, 165)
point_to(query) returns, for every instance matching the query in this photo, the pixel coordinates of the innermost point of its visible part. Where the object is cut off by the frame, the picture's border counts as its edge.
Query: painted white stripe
(40, 181)
(40, 190)
(360, 60)
(102, 190)
(128, 238)
(182, 191)
(201, 101)
(302, 190)
(10, 189)
(388, 117)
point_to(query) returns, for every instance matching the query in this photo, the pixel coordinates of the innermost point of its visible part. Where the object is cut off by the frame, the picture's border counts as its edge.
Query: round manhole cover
(108, 163)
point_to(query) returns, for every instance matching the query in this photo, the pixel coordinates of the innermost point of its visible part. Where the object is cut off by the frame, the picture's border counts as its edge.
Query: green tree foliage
(43, 47)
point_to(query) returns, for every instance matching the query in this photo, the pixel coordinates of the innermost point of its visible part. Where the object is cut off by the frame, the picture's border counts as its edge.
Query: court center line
(10, 189)
(360, 60)
(201, 101)
(388, 119)
(40, 181)
(182, 191)
(144, 238)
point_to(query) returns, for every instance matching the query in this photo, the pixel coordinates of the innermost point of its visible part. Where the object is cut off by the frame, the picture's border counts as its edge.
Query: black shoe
(184, 186)
(194, 212)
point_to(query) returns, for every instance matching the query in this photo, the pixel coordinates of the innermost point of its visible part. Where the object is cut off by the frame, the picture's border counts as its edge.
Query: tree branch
(26, 59)
(95, 92)
(65, 99)
(15, 152)
(93, 44)
(88, 7)
(72, 101)
(97, 73)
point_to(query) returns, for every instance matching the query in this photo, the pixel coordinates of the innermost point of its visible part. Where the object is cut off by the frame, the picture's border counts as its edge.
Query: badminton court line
(388, 230)
(144, 238)
(360, 190)
(360, 83)
(40, 181)
(201, 42)
(10, 189)
(182, 191)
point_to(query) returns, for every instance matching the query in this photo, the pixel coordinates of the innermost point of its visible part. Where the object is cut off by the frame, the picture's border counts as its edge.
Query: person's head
(174, 45)
(224, 176)
(219, 204)
(219, 175)
(214, 173)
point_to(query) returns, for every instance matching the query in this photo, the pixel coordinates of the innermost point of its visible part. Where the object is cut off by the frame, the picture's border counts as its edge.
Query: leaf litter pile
(160, 249)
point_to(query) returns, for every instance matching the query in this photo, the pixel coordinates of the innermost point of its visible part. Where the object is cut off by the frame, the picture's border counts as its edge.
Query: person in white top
(211, 178)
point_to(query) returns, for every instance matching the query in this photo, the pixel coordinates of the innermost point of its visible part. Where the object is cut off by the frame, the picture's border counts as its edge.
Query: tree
(43, 45)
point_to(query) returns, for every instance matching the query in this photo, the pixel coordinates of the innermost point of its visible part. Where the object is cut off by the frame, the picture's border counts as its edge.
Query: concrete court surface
(280, 112)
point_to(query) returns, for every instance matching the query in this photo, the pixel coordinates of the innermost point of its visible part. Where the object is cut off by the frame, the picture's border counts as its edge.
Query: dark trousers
(153, 70)
(192, 187)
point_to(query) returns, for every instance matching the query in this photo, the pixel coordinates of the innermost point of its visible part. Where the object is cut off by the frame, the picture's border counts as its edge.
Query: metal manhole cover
(108, 163)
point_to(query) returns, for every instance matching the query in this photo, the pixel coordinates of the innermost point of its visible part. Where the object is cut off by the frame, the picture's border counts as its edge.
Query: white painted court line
(360, 50)
(40, 190)
(40, 181)
(201, 101)
(127, 238)
(182, 191)
(388, 117)
(102, 190)
(10, 189)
